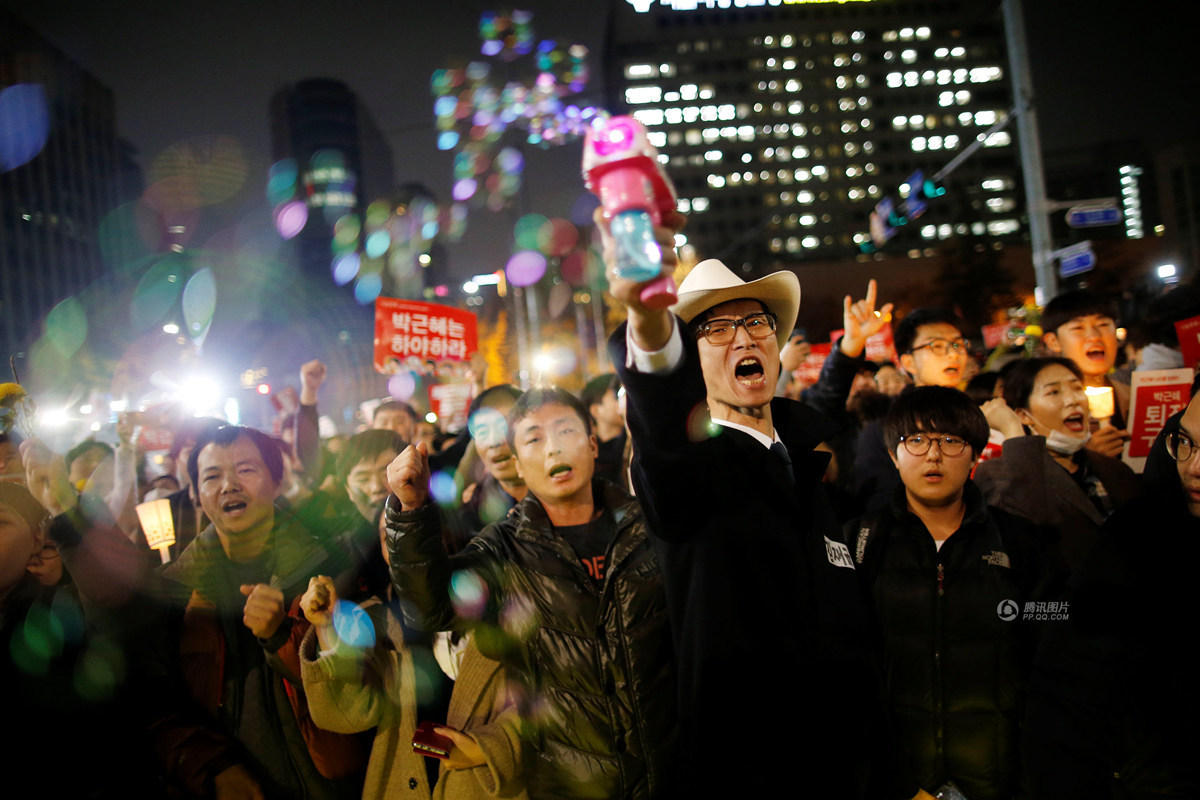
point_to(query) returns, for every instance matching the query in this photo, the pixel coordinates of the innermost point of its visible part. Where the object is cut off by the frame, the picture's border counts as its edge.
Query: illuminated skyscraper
(785, 123)
(342, 160)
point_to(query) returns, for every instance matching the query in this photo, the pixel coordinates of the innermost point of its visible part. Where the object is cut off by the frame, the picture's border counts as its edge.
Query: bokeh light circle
(525, 268)
(345, 268)
(402, 385)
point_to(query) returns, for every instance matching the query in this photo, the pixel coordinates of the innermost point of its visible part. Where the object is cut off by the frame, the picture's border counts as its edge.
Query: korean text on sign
(427, 336)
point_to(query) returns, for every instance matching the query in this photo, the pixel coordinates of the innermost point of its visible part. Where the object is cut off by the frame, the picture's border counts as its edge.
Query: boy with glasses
(949, 579)
(932, 352)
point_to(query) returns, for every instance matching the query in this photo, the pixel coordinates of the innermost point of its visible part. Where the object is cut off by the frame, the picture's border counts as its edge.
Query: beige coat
(480, 705)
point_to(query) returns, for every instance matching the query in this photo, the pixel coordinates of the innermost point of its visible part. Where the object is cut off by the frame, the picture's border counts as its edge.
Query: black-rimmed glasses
(919, 443)
(942, 346)
(1180, 446)
(721, 331)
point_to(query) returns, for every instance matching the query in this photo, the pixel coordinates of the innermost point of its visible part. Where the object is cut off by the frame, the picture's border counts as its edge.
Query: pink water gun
(621, 167)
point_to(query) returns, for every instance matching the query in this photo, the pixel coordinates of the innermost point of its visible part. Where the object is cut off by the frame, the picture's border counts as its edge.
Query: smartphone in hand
(429, 742)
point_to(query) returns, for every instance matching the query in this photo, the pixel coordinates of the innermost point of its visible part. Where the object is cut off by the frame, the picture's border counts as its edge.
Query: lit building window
(906, 34)
(941, 52)
(918, 144)
(745, 133)
(635, 95)
(856, 193)
(946, 99)
(945, 231)
(666, 69)
(960, 76)
(716, 181)
(673, 116)
(911, 78)
(928, 231)
(998, 139)
(699, 204)
(650, 117)
(895, 80)
(683, 205)
(804, 197)
(958, 52)
(999, 205)
(706, 92)
(889, 36)
(978, 228)
(799, 151)
(950, 142)
(640, 70)
(858, 36)
(656, 138)
(810, 241)
(916, 121)
(1003, 227)
(692, 137)
(965, 118)
(801, 175)
(985, 74)
(962, 97)
(985, 118)
(808, 220)
(923, 32)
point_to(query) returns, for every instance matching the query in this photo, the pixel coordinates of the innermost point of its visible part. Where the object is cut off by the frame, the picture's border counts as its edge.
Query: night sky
(181, 70)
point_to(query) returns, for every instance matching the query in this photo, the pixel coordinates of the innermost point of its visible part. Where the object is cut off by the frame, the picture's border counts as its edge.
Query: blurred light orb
(290, 218)
(525, 268)
(345, 268)
(464, 189)
(468, 593)
(368, 288)
(527, 231)
(24, 124)
(402, 385)
(377, 244)
(447, 140)
(443, 488)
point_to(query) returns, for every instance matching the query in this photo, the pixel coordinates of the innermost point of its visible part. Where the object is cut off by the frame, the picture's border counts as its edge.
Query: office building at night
(783, 124)
(62, 169)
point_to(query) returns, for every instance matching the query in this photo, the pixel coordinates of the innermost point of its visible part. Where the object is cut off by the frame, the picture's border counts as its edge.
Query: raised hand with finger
(861, 321)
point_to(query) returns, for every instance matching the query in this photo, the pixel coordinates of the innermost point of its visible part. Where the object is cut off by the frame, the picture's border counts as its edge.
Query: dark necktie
(779, 450)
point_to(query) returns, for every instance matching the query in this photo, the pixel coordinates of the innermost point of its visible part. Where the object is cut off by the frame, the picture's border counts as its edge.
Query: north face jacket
(593, 660)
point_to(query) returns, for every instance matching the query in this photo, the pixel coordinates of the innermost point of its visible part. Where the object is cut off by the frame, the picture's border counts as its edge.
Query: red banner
(1155, 396)
(1188, 331)
(407, 329)
(810, 369)
(450, 402)
(996, 334)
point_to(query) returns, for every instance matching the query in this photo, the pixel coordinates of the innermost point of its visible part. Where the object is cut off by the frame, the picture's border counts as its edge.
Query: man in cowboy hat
(774, 658)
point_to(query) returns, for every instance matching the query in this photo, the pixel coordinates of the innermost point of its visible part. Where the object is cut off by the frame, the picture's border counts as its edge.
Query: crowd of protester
(696, 578)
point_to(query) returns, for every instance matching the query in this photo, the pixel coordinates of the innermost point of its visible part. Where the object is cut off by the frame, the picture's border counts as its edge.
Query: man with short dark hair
(1082, 326)
(566, 592)
(599, 396)
(395, 415)
(932, 352)
(770, 630)
(948, 577)
(236, 648)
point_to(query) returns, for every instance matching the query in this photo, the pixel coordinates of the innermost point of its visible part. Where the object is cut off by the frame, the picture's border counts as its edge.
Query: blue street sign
(913, 203)
(1077, 262)
(1093, 216)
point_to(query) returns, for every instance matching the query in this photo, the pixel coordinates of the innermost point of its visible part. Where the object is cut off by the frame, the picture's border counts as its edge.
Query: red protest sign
(450, 402)
(1155, 396)
(810, 369)
(412, 329)
(1188, 331)
(996, 334)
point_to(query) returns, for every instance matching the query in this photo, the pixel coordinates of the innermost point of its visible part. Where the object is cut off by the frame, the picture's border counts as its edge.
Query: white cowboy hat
(711, 283)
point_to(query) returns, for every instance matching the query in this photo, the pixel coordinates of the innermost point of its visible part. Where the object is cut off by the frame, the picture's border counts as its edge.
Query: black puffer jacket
(594, 659)
(956, 659)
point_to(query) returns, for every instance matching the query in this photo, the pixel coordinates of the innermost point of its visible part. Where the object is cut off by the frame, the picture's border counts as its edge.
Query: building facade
(784, 124)
(62, 170)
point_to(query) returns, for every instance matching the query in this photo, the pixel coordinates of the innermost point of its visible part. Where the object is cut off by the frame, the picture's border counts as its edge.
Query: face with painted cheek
(742, 373)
